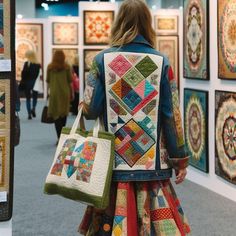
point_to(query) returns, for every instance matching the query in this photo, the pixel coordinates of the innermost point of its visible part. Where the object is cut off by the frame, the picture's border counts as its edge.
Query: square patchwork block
(131, 149)
(146, 66)
(132, 99)
(133, 77)
(121, 88)
(120, 65)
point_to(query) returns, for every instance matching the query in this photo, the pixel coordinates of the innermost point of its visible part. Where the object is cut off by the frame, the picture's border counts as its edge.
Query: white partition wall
(211, 180)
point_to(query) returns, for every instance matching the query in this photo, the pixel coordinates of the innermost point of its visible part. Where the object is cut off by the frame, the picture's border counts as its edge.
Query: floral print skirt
(137, 209)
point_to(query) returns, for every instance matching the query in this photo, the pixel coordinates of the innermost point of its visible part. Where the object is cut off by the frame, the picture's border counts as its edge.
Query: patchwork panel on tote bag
(132, 93)
(82, 165)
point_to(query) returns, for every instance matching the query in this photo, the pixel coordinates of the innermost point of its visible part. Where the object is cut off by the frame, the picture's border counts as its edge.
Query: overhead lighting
(154, 7)
(45, 6)
(19, 16)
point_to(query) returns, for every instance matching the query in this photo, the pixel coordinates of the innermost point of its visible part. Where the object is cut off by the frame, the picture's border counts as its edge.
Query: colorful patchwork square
(132, 142)
(146, 66)
(73, 159)
(133, 77)
(132, 99)
(120, 65)
(121, 88)
(117, 108)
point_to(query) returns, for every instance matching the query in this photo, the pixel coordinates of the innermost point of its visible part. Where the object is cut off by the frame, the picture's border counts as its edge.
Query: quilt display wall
(226, 39)
(169, 45)
(65, 33)
(196, 127)
(97, 27)
(196, 48)
(225, 120)
(5, 34)
(29, 37)
(70, 54)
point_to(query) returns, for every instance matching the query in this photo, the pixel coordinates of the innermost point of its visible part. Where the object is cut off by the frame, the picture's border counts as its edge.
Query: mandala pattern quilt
(29, 37)
(196, 125)
(225, 135)
(97, 27)
(196, 39)
(226, 39)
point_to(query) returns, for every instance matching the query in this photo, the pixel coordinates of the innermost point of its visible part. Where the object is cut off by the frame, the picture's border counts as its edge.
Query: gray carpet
(37, 214)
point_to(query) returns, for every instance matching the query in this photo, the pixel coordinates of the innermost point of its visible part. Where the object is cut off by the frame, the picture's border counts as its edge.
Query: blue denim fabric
(97, 107)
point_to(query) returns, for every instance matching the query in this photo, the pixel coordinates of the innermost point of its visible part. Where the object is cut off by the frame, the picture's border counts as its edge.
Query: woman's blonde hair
(58, 61)
(31, 56)
(133, 18)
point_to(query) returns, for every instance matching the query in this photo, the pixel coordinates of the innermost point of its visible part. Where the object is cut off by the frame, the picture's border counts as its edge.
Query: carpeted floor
(37, 214)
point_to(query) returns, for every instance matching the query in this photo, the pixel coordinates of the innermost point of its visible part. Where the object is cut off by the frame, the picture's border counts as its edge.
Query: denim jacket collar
(140, 39)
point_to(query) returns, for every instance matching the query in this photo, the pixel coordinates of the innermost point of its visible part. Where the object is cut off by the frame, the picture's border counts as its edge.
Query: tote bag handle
(78, 121)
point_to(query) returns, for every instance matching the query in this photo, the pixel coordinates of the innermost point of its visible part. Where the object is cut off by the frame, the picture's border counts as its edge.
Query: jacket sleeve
(94, 93)
(171, 121)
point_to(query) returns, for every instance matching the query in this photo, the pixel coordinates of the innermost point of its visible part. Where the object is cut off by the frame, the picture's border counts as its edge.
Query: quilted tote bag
(82, 166)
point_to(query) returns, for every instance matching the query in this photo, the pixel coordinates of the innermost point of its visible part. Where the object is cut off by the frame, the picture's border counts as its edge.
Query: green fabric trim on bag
(73, 194)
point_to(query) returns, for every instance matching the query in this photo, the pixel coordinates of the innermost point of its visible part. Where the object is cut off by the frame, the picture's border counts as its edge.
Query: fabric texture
(134, 88)
(59, 82)
(145, 208)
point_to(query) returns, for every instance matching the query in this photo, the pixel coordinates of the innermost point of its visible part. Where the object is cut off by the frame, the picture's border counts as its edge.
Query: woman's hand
(180, 175)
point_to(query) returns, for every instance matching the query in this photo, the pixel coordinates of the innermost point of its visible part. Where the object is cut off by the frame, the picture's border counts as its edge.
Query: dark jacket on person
(134, 89)
(29, 74)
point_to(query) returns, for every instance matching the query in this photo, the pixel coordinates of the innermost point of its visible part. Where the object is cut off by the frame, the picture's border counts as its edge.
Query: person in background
(75, 102)
(131, 85)
(59, 78)
(29, 74)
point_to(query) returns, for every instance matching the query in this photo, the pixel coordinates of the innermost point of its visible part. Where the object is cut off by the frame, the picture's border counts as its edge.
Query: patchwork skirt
(138, 209)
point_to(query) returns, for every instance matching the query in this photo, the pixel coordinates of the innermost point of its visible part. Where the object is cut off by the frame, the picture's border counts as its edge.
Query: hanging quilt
(196, 127)
(225, 135)
(65, 33)
(169, 46)
(132, 92)
(226, 39)
(166, 25)
(5, 34)
(196, 48)
(97, 27)
(70, 54)
(28, 37)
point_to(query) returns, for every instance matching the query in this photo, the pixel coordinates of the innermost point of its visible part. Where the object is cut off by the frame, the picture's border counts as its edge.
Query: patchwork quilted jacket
(134, 89)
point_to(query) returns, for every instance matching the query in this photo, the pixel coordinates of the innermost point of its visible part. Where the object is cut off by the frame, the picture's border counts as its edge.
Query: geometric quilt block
(80, 159)
(146, 66)
(133, 77)
(132, 142)
(120, 65)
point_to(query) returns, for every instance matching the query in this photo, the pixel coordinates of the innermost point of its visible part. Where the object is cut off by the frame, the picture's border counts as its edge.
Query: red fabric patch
(171, 74)
(161, 214)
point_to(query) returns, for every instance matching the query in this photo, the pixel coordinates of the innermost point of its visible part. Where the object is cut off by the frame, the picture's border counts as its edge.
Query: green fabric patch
(146, 66)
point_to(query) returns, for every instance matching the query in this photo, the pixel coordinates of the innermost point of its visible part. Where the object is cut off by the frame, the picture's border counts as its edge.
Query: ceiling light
(45, 6)
(19, 16)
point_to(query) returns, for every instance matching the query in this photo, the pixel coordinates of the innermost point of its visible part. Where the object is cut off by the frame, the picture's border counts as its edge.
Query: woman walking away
(132, 86)
(59, 79)
(29, 74)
